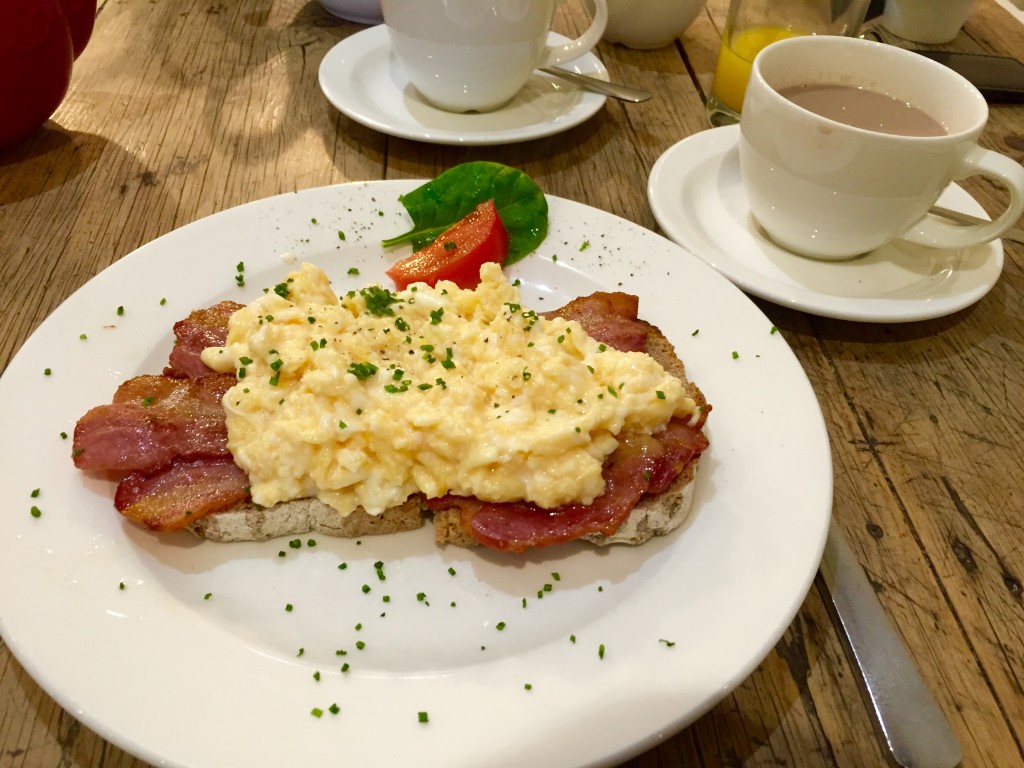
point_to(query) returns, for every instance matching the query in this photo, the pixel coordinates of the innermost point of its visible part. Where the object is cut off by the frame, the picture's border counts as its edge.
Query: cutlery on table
(1013, 234)
(913, 726)
(615, 90)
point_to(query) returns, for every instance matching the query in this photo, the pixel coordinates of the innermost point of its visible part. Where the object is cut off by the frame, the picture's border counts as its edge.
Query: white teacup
(822, 188)
(476, 55)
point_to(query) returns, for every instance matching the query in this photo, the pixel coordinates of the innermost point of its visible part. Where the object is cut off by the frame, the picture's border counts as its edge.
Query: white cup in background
(648, 24)
(926, 21)
(826, 189)
(476, 55)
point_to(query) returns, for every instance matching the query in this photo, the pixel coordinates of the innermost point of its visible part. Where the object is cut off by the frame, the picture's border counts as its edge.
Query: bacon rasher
(201, 329)
(610, 318)
(169, 434)
(183, 491)
(151, 420)
(641, 464)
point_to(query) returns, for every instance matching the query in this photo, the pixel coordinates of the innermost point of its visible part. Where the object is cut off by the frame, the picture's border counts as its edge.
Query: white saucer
(365, 81)
(697, 197)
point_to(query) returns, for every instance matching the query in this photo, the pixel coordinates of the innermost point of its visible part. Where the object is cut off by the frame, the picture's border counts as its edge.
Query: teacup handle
(977, 162)
(559, 54)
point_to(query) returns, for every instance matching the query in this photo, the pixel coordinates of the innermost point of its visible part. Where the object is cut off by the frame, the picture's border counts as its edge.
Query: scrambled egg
(367, 399)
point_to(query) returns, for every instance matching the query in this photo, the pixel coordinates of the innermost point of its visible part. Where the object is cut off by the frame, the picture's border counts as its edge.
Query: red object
(458, 253)
(36, 54)
(81, 17)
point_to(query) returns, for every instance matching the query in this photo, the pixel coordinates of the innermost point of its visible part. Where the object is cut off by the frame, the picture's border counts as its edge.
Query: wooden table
(181, 109)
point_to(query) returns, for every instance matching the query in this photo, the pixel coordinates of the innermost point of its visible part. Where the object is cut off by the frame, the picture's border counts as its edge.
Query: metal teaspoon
(615, 90)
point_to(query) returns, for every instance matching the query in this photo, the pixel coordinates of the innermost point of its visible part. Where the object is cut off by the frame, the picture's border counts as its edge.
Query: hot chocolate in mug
(476, 55)
(846, 143)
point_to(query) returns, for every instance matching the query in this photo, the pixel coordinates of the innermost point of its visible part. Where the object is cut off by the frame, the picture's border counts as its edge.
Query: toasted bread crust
(253, 523)
(653, 516)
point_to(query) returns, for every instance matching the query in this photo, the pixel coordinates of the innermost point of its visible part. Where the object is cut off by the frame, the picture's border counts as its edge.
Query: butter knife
(915, 731)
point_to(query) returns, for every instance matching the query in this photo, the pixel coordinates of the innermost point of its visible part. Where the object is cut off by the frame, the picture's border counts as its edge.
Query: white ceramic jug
(649, 23)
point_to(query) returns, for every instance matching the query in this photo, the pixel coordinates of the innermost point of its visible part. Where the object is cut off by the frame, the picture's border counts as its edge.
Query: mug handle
(982, 162)
(559, 54)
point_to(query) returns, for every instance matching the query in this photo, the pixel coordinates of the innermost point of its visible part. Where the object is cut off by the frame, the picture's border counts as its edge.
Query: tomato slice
(458, 253)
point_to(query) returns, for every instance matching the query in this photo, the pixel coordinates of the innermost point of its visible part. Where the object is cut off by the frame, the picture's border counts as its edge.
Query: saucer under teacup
(363, 79)
(697, 196)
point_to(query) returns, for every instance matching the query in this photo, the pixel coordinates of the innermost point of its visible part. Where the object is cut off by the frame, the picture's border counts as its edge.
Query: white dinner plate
(183, 651)
(697, 197)
(363, 79)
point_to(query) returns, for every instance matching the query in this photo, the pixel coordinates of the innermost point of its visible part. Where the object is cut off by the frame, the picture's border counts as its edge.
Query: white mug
(826, 189)
(476, 55)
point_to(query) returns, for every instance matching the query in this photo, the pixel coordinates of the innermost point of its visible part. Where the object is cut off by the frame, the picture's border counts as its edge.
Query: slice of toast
(653, 516)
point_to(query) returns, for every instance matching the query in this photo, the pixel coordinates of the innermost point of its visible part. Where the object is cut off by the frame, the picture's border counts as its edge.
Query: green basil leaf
(438, 204)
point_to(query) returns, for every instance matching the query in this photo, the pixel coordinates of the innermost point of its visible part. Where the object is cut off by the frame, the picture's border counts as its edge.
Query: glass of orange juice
(753, 24)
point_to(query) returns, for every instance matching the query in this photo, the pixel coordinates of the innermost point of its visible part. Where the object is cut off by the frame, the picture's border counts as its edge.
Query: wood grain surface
(181, 109)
